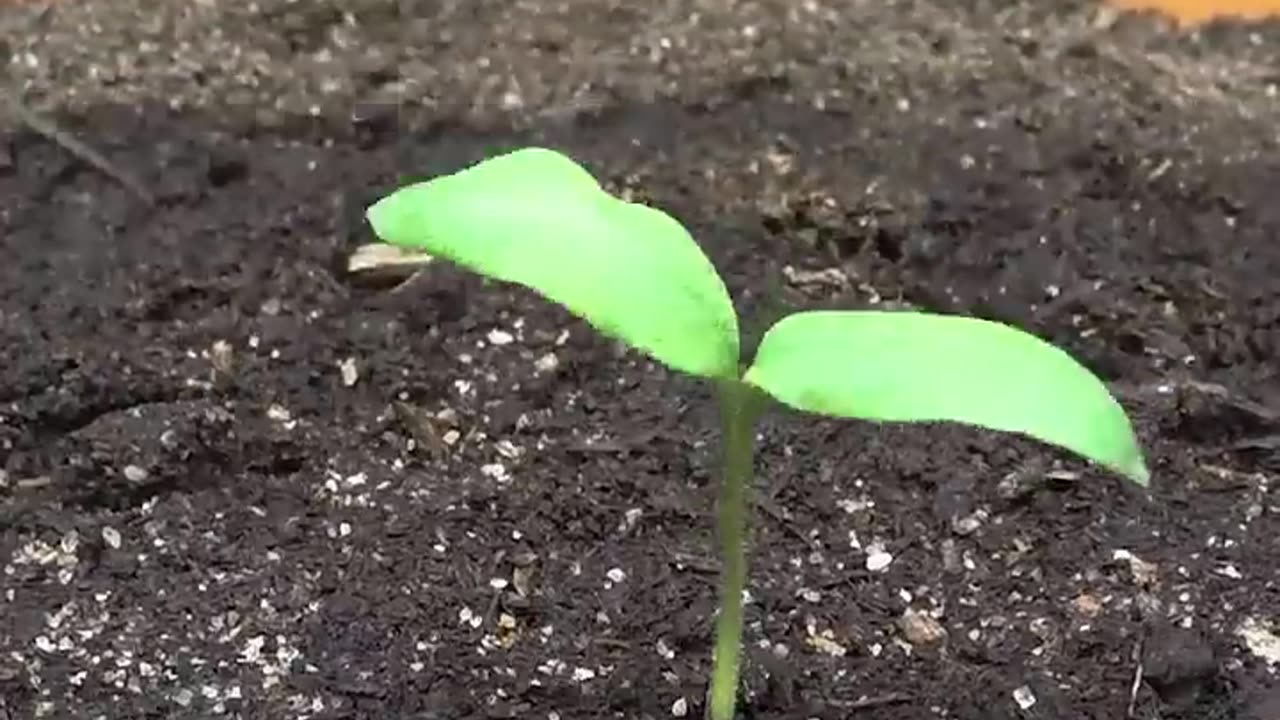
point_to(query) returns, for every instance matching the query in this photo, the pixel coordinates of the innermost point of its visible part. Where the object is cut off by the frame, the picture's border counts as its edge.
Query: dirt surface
(238, 481)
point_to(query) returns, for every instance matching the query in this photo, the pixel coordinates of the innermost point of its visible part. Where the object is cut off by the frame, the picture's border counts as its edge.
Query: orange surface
(1191, 12)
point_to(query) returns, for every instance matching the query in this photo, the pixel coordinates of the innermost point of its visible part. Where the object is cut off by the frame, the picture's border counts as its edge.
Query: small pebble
(919, 628)
(878, 559)
(547, 363)
(350, 373)
(222, 357)
(1024, 697)
(183, 697)
(1087, 605)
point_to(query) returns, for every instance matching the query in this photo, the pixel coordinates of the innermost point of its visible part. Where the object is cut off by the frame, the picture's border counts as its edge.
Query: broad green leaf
(906, 366)
(536, 218)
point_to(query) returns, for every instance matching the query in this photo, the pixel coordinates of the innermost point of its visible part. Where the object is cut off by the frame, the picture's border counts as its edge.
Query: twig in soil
(874, 701)
(624, 445)
(772, 510)
(612, 643)
(849, 578)
(34, 483)
(1137, 679)
(698, 565)
(421, 427)
(491, 612)
(46, 129)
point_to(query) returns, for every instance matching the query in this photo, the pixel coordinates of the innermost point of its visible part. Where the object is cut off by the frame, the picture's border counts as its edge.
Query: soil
(240, 481)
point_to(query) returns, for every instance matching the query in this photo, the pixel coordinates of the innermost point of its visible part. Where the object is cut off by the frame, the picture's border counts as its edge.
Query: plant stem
(739, 409)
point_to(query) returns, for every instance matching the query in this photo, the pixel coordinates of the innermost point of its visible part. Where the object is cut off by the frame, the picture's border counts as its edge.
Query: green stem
(739, 409)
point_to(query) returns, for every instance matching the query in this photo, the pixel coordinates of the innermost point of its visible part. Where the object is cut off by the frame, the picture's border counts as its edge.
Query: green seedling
(535, 218)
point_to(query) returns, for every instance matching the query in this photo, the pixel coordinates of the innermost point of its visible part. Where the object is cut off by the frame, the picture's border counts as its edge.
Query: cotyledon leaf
(905, 366)
(536, 218)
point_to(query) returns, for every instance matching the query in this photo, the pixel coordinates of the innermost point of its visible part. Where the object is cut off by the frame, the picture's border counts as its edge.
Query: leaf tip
(1137, 471)
(388, 217)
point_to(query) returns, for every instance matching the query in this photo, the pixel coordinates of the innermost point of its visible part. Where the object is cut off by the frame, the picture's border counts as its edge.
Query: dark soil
(202, 515)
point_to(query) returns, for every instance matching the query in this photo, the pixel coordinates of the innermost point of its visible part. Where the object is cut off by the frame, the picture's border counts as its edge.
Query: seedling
(535, 218)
